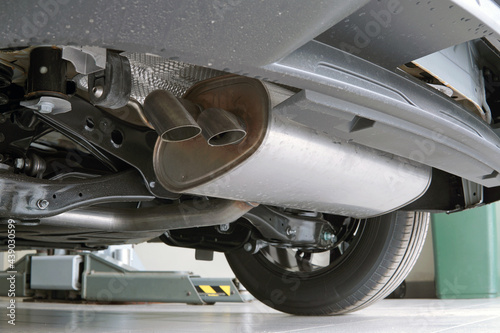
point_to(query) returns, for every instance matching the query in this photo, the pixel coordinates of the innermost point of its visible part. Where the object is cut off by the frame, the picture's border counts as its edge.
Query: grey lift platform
(93, 278)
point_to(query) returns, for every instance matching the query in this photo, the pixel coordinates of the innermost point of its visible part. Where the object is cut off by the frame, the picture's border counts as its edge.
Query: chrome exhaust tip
(169, 117)
(220, 127)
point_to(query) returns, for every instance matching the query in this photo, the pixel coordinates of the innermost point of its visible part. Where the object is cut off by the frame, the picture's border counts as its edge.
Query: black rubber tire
(386, 251)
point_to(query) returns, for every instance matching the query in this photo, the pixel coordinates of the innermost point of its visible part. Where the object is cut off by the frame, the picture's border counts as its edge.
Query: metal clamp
(110, 88)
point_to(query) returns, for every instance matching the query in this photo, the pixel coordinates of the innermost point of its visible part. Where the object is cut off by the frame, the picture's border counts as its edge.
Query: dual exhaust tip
(178, 120)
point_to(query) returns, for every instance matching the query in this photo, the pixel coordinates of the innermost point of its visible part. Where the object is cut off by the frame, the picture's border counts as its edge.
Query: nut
(247, 247)
(224, 227)
(42, 204)
(45, 107)
(291, 232)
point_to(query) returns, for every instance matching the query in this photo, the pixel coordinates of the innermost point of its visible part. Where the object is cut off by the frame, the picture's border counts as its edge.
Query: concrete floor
(407, 315)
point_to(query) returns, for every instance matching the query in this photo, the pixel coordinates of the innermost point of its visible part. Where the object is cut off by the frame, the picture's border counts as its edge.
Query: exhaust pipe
(285, 163)
(178, 120)
(221, 128)
(169, 117)
(196, 213)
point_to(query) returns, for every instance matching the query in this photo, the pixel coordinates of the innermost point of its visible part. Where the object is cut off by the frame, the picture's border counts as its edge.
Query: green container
(467, 253)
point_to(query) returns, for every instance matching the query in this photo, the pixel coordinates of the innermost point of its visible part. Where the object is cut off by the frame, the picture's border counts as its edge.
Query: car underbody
(230, 127)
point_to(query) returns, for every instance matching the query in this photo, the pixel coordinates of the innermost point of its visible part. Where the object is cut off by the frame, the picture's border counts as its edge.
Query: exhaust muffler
(283, 163)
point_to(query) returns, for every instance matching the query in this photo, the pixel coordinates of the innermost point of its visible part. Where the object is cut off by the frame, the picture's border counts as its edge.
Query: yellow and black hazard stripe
(206, 290)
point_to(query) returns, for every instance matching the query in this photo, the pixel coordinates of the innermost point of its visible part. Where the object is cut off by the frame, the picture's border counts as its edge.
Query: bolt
(45, 107)
(152, 184)
(224, 227)
(42, 204)
(247, 247)
(98, 91)
(290, 232)
(328, 236)
(19, 163)
(188, 293)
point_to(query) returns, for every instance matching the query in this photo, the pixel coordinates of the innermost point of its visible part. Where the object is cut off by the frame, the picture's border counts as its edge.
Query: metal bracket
(48, 104)
(292, 230)
(86, 59)
(111, 87)
(473, 193)
(130, 144)
(32, 198)
(17, 135)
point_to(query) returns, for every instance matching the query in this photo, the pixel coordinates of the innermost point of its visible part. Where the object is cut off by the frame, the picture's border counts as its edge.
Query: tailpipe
(220, 127)
(171, 119)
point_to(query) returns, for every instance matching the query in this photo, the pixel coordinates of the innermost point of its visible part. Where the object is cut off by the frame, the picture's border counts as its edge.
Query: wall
(420, 281)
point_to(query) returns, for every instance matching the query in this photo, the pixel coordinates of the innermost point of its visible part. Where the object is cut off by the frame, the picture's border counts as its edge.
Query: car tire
(384, 251)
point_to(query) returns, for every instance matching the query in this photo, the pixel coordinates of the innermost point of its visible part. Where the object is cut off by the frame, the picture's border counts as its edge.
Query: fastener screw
(224, 227)
(290, 232)
(42, 204)
(328, 236)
